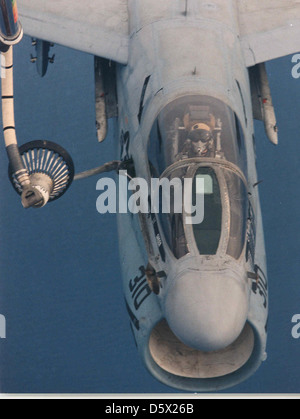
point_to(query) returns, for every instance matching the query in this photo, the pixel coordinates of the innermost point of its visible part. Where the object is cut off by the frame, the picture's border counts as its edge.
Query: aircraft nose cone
(209, 312)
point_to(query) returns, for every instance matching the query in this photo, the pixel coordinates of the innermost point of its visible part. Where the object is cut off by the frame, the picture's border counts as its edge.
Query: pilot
(199, 142)
(202, 140)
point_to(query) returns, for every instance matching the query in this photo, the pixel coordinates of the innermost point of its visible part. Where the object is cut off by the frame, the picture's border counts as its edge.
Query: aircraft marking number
(261, 285)
(139, 288)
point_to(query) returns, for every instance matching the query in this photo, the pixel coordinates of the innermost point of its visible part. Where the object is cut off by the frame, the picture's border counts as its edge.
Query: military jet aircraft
(189, 80)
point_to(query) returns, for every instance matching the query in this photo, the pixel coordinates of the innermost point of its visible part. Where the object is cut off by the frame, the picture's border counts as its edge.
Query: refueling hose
(30, 196)
(8, 117)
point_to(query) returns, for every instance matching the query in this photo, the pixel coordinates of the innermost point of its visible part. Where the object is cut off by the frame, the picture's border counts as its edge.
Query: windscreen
(208, 233)
(238, 207)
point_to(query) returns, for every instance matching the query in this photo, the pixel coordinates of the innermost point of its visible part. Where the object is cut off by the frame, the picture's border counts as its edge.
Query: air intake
(50, 169)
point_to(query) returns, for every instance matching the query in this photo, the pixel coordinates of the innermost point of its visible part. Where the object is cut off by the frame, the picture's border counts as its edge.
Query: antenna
(186, 8)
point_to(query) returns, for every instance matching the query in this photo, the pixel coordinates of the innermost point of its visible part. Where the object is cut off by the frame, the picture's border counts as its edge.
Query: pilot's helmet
(200, 132)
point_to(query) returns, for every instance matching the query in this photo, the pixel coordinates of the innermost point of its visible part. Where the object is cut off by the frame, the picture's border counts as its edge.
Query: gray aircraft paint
(174, 55)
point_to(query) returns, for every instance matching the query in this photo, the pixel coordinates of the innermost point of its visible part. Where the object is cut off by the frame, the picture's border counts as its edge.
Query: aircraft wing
(269, 29)
(99, 27)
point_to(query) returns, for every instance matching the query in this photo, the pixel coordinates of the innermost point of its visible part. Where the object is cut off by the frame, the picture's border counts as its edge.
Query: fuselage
(186, 71)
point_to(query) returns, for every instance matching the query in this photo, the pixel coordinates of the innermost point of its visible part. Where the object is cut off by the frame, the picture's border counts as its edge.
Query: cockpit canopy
(196, 126)
(200, 138)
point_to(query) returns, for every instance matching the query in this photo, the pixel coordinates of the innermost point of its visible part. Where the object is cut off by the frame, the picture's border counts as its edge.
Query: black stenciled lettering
(139, 288)
(261, 285)
(134, 283)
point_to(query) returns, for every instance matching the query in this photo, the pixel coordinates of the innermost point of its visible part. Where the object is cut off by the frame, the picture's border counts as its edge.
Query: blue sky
(60, 281)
